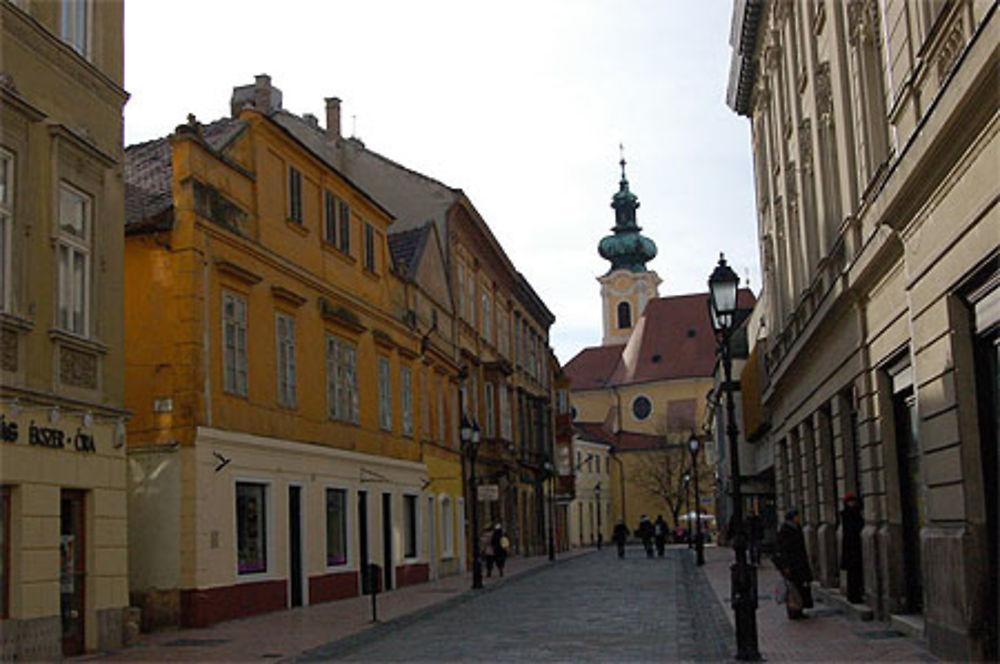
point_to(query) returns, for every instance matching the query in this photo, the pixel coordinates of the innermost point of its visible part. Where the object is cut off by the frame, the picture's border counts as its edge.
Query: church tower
(628, 285)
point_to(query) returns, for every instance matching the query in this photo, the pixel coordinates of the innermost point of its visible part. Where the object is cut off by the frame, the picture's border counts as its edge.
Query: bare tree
(660, 471)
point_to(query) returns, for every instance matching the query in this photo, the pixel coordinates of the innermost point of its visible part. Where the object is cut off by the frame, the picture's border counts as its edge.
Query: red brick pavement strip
(821, 638)
(286, 634)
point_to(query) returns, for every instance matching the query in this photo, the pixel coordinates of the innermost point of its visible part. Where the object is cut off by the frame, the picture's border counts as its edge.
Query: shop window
(73, 248)
(234, 336)
(286, 360)
(384, 394)
(251, 527)
(336, 527)
(294, 194)
(409, 526)
(341, 380)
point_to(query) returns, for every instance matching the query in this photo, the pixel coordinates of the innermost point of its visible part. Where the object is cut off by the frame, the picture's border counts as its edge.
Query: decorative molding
(77, 368)
(340, 315)
(824, 93)
(806, 146)
(383, 339)
(8, 350)
(951, 47)
(289, 296)
(237, 272)
(79, 343)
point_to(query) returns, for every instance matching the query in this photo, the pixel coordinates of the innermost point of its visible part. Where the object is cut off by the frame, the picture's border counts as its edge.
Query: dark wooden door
(366, 581)
(72, 571)
(295, 543)
(387, 540)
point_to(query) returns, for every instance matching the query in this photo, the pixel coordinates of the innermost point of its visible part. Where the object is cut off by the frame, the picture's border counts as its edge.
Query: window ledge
(16, 322)
(78, 342)
(297, 226)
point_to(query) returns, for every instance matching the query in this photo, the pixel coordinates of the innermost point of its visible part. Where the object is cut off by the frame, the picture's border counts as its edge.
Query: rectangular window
(341, 380)
(4, 552)
(487, 317)
(425, 406)
(409, 526)
(6, 227)
(406, 402)
(74, 259)
(286, 360)
(489, 429)
(336, 527)
(502, 333)
(75, 17)
(447, 527)
(234, 341)
(460, 271)
(506, 430)
(294, 194)
(474, 396)
(440, 409)
(369, 247)
(251, 527)
(471, 300)
(517, 340)
(345, 227)
(384, 394)
(330, 205)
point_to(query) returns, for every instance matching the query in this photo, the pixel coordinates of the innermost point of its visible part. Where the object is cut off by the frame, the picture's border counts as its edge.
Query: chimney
(333, 118)
(261, 95)
(311, 120)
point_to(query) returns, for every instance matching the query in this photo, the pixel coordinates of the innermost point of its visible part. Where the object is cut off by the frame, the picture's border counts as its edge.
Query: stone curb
(348, 644)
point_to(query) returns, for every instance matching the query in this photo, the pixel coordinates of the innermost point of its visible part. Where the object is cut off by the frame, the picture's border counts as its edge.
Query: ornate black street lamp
(469, 433)
(551, 472)
(723, 285)
(699, 546)
(687, 507)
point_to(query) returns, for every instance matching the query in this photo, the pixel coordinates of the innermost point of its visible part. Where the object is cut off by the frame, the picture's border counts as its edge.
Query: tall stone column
(810, 493)
(826, 532)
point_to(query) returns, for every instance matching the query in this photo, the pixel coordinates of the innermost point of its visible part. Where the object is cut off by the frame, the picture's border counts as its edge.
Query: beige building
(590, 518)
(876, 142)
(63, 560)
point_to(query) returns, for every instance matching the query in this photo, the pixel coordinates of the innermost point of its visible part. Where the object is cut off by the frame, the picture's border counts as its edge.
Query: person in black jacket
(852, 521)
(619, 535)
(645, 533)
(660, 532)
(793, 562)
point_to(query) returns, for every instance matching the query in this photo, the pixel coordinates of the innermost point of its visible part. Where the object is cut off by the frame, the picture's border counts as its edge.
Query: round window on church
(641, 407)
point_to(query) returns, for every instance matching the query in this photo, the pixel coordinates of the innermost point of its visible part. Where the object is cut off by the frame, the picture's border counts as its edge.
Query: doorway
(72, 571)
(295, 544)
(432, 531)
(366, 581)
(387, 541)
(910, 494)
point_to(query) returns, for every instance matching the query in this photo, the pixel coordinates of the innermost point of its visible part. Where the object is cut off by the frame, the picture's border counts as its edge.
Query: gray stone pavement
(593, 608)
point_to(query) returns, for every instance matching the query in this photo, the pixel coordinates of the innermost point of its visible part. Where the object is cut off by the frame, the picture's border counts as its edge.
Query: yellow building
(63, 559)
(643, 390)
(285, 378)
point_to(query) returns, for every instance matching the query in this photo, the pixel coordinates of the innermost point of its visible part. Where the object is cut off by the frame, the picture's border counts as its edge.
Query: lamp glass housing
(465, 432)
(723, 285)
(694, 444)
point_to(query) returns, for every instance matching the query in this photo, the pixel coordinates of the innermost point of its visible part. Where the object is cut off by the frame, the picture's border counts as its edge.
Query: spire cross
(621, 151)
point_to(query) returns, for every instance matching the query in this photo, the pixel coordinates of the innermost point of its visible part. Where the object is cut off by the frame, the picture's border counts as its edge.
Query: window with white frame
(345, 227)
(487, 316)
(506, 428)
(286, 360)
(341, 380)
(330, 205)
(384, 393)
(234, 342)
(75, 212)
(410, 527)
(251, 527)
(295, 194)
(447, 527)
(336, 527)
(6, 227)
(369, 248)
(75, 25)
(440, 408)
(406, 401)
(425, 405)
(489, 429)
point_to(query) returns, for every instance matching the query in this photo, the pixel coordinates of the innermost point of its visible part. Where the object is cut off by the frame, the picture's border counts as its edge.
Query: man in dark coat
(793, 562)
(660, 532)
(645, 533)
(852, 521)
(619, 535)
(500, 544)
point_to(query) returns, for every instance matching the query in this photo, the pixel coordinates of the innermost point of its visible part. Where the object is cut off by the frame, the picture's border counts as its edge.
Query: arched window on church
(624, 316)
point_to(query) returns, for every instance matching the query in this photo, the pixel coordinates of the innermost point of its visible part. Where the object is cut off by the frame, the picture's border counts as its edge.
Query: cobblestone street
(591, 608)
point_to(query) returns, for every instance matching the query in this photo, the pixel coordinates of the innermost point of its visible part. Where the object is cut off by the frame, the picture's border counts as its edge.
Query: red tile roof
(624, 441)
(592, 367)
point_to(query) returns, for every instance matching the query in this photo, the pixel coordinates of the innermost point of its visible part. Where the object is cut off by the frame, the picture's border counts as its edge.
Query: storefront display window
(336, 527)
(251, 527)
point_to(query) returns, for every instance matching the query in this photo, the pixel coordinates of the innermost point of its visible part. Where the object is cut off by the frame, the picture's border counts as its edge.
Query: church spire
(627, 249)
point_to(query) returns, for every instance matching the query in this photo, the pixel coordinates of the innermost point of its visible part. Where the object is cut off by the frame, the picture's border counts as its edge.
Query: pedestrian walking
(619, 535)
(793, 563)
(501, 546)
(852, 521)
(645, 533)
(660, 533)
(486, 548)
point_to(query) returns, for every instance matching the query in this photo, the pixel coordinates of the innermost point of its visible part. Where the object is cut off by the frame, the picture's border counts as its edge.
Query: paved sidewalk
(827, 636)
(283, 635)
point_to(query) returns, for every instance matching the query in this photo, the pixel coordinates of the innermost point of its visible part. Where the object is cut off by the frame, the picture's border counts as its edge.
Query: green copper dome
(627, 249)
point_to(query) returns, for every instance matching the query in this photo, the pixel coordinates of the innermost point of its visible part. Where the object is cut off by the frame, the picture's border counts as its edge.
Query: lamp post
(470, 442)
(687, 506)
(694, 445)
(723, 285)
(597, 496)
(551, 471)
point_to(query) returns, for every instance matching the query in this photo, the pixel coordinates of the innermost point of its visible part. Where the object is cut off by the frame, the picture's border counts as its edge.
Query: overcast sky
(521, 104)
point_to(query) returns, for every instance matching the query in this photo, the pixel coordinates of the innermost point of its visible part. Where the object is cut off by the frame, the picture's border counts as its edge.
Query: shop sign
(48, 437)
(488, 492)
